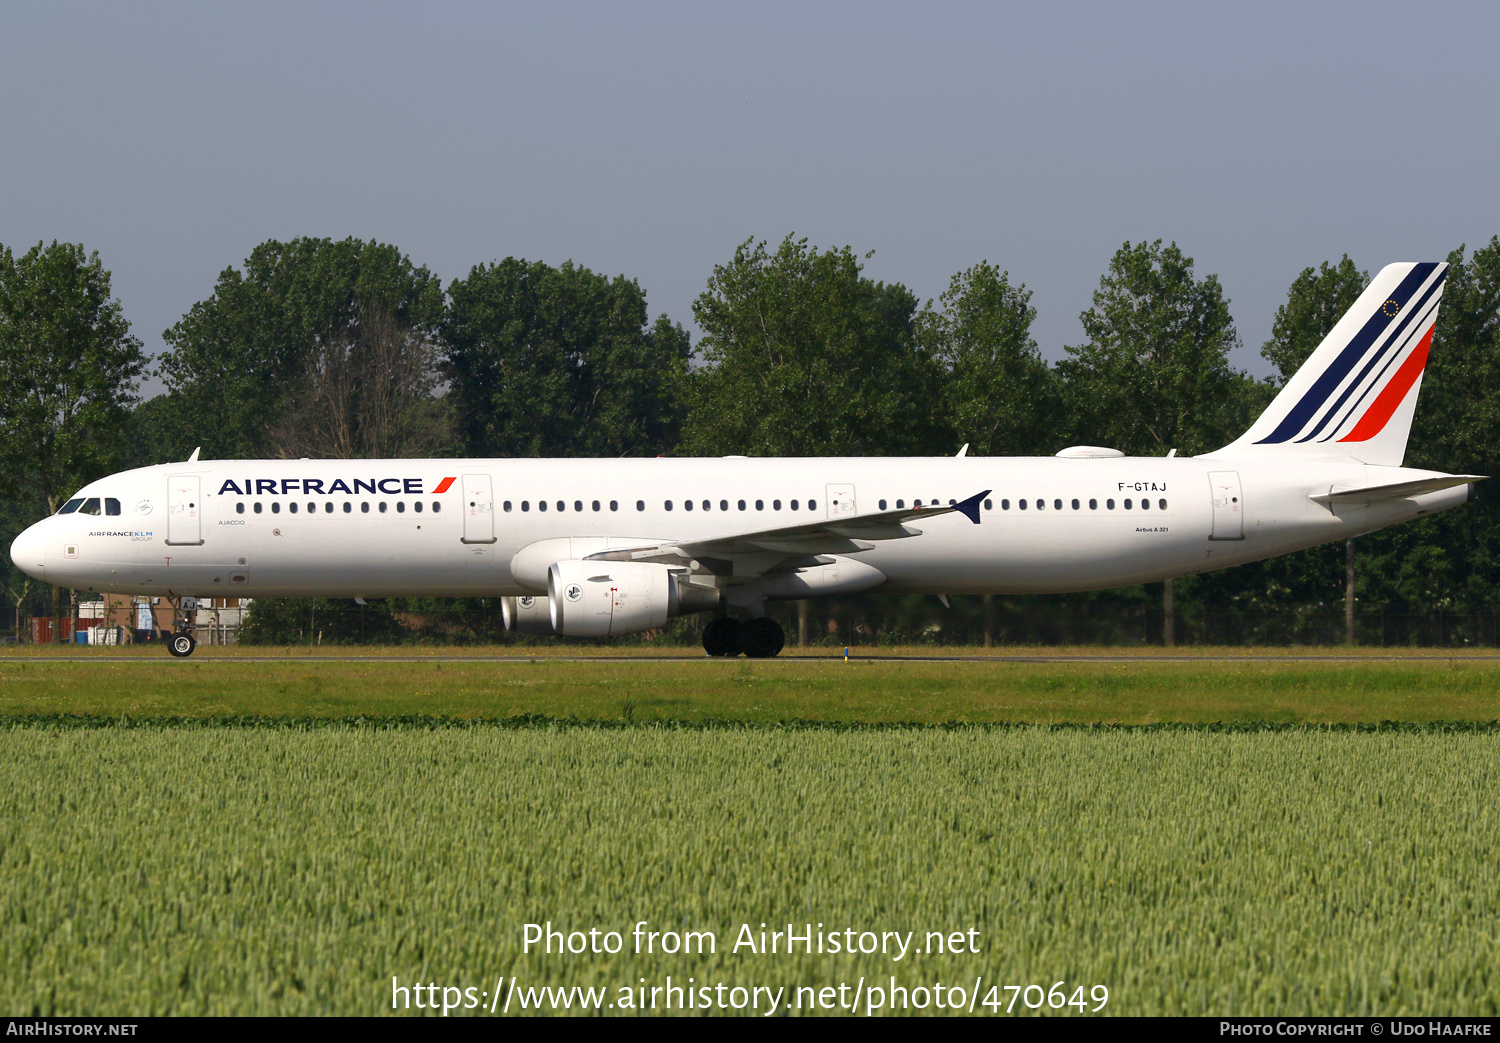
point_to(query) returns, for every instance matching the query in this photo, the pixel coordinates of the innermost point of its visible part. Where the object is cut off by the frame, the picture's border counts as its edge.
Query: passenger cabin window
(578, 506)
(348, 507)
(640, 505)
(900, 505)
(291, 507)
(775, 505)
(239, 508)
(882, 505)
(541, 505)
(687, 505)
(364, 507)
(382, 506)
(1005, 505)
(742, 505)
(668, 505)
(525, 505)
(400, 506)
(257, 507)
(436, 506)
(1162, 504)
(724, 505)
(1093, 505)
(1021, 504)
(276, 506)
(707, 505)
(760, 505)
(794, 505)
(1127, 505)
(812, 505)
(70, 507)
(505, 506)
(561, 506)
(989, 505)
(1109, 504)
(596, 505)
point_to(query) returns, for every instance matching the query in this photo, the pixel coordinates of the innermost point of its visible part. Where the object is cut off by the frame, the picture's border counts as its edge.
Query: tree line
(322, 348)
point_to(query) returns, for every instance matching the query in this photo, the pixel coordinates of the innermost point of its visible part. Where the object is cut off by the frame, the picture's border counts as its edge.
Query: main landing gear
(757, 638)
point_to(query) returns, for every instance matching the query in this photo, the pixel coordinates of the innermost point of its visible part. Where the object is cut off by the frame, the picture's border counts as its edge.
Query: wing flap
(756, 552)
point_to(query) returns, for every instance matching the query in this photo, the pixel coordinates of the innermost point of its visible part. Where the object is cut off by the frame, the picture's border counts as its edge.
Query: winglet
(970, 508)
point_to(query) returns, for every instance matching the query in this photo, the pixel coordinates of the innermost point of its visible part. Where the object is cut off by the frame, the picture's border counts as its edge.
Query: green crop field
(218, 868)
(289, 835)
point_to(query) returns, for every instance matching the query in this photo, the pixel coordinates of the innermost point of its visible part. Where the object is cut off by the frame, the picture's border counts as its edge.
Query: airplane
(596, 548)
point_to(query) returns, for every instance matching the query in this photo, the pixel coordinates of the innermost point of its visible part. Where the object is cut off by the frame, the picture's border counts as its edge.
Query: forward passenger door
(184, 511)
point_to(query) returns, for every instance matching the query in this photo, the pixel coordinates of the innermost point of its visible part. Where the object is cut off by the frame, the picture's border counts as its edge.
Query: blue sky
(650, 139)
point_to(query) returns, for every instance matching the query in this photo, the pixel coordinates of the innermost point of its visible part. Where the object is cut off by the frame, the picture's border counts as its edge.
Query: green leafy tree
(70, 367)
(1154, 374)
(997, 393)
(546, 361)
(1315, 302)
(317, 348)
(804, 356)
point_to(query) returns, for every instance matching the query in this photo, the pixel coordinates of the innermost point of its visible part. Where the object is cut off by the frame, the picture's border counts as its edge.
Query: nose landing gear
(184, 614)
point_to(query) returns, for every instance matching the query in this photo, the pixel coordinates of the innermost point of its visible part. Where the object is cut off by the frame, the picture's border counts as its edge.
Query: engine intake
(527, 615)
(605, 598)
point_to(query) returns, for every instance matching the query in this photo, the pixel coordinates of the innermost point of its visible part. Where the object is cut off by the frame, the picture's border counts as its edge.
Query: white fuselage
(361, 528)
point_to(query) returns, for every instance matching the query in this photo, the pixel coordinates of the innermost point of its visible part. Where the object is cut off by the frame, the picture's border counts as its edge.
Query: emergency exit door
(840, 501)
(479, 509)
(1229, 510)
(184, 511)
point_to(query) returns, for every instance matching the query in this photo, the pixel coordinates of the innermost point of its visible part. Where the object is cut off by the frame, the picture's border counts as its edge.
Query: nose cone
(29, 552)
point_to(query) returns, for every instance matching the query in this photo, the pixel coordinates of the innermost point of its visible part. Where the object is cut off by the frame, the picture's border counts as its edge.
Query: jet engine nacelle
(604, 598)
(527, 615)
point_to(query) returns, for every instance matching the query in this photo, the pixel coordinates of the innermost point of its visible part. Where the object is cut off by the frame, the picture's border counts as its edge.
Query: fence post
(1349, 592)
(1169, 621)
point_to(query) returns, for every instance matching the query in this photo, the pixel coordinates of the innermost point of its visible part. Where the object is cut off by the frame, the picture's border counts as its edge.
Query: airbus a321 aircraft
(601, 547)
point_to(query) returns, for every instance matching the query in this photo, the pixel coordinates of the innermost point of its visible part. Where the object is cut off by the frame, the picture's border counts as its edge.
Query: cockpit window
(90, 506)
(69, 507)
(111, 506)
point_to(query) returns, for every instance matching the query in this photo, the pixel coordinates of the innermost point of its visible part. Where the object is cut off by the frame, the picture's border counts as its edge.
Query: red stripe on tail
(1394, 393)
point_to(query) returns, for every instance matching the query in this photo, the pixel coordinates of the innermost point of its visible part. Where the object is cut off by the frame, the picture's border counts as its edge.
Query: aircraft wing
(750, 554)
(1396, 490)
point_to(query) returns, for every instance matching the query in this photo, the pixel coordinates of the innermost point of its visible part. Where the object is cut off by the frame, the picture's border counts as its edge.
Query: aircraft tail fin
(1356, 393)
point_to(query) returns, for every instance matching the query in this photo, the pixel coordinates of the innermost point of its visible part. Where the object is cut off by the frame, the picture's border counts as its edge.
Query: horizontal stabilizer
(1397, 490)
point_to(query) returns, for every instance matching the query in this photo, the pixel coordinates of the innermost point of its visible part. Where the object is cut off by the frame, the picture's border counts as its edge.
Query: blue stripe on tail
(1307, 407)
